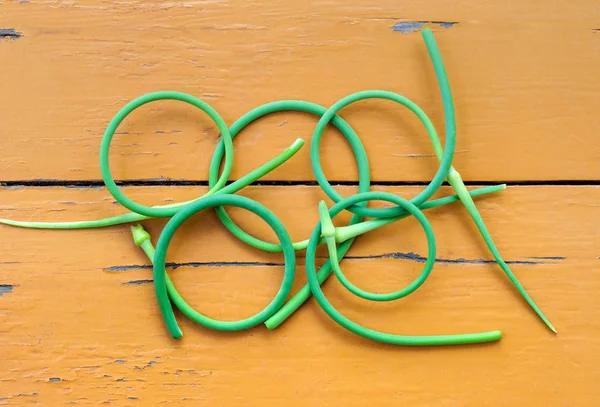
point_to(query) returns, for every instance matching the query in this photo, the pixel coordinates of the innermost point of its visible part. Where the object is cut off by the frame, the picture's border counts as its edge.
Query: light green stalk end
(139, 234)
(328, 232)
(296, 145)
(327, 228)
(142, 239)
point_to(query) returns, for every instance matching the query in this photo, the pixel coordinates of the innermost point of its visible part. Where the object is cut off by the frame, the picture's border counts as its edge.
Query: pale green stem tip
(139, 234)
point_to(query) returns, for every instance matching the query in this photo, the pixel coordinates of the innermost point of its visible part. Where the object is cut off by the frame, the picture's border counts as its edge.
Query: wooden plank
(79, 324)
(524, 79)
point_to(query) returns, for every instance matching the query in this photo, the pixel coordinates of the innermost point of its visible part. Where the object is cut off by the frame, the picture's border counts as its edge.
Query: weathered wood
(524, 79)
(79, 322)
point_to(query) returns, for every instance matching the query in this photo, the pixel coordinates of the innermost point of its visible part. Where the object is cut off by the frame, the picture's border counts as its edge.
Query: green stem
(328, 233)
(455, 180)
(457, 183)
(142, 239)
(85, 224)
(136, 217)
(345, 235)
(304, 293)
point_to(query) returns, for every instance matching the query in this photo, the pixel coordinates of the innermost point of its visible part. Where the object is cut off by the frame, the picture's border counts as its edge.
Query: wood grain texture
(523, 75)
(80, 323)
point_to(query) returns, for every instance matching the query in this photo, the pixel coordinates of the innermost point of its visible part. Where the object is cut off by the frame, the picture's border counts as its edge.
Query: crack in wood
(420, 259)
(10, 33)
(406, 27)
(6, 288)
(168, 182)
(174, 265)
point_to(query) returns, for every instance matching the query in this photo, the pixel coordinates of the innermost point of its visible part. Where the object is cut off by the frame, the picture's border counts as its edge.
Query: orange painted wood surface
(524, 76)
(79, 323)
